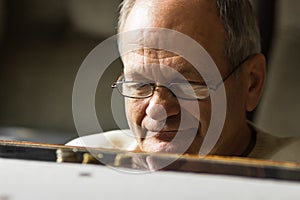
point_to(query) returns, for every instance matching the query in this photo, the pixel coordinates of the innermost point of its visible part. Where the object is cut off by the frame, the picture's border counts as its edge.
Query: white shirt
(266, 147)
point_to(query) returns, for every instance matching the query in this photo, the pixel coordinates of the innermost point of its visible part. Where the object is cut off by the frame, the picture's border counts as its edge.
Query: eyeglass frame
(155, 85)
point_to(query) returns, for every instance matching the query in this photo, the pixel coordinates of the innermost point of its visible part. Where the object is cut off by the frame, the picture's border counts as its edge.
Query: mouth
(173, 141)
(168, 136)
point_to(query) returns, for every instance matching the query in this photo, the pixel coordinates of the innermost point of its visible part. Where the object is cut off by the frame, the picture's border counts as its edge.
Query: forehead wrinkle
(207, 30)
(160, 70)
(145, 64)
(154, 53)
(138, 64)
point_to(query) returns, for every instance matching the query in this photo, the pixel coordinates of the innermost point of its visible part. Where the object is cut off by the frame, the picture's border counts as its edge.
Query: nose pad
(156, 112)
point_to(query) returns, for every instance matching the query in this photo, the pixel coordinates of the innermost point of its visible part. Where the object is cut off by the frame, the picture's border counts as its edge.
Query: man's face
(156, 120)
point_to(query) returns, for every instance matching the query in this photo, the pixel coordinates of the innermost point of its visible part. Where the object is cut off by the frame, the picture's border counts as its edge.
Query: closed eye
(140, 85)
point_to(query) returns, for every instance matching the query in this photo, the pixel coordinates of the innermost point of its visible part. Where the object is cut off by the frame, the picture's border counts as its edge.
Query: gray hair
(239, 21)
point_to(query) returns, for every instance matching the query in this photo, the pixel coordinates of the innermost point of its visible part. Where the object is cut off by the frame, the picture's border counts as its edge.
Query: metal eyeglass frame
(154, 85)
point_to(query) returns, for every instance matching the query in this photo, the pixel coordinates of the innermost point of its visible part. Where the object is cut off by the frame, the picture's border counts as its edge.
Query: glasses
(186, 91)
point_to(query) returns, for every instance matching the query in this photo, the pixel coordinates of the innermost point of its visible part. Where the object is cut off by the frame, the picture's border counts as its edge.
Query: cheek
(236, 102)
(202, 112)
(135, 111)
(205, 115)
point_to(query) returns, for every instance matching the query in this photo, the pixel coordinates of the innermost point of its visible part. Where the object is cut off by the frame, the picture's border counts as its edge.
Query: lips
(168, 136)
(169, 141)
(174, 135)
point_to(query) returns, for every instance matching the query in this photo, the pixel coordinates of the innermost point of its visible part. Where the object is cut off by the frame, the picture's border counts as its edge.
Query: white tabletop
(31, 180)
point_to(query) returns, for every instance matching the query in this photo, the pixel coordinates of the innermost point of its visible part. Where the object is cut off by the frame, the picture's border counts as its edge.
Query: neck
(238, 144)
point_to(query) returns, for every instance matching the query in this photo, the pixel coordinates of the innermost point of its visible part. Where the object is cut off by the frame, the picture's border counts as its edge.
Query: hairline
(237, 47)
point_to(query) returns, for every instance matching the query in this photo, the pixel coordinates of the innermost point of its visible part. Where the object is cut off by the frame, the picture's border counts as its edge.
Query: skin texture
(155, 120)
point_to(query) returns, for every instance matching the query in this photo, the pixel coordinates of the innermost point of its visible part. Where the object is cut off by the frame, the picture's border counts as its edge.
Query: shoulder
(275, 148)
(289, 152)
(116, 139)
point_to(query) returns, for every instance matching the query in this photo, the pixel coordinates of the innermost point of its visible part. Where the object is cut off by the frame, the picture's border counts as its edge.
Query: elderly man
(227, 30)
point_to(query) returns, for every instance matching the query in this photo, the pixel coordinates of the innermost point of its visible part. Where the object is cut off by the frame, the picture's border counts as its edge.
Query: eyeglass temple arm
(215, 87)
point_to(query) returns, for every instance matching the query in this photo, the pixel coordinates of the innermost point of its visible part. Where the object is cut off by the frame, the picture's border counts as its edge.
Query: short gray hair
(239, 21)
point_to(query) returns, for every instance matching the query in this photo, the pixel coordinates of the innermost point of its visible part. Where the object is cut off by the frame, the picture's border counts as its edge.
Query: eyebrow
(135, 75)
(194, 75)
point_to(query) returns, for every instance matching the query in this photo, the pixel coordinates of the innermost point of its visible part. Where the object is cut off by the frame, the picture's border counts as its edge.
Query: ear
(255, 74)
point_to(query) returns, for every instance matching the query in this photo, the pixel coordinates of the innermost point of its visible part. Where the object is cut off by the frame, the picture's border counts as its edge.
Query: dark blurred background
(44, 42)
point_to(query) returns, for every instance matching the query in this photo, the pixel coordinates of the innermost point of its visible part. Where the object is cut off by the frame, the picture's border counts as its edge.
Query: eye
(190, 91)
(139, 86)
(137, 90)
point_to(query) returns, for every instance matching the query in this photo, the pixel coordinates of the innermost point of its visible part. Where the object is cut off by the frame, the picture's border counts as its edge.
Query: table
(25, 179)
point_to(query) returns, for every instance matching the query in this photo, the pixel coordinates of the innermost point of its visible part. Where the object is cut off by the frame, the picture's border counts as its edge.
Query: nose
(162, 105)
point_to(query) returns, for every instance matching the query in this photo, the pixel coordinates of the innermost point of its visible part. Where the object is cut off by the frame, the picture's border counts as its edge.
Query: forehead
(197, 19)
(159, 65)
